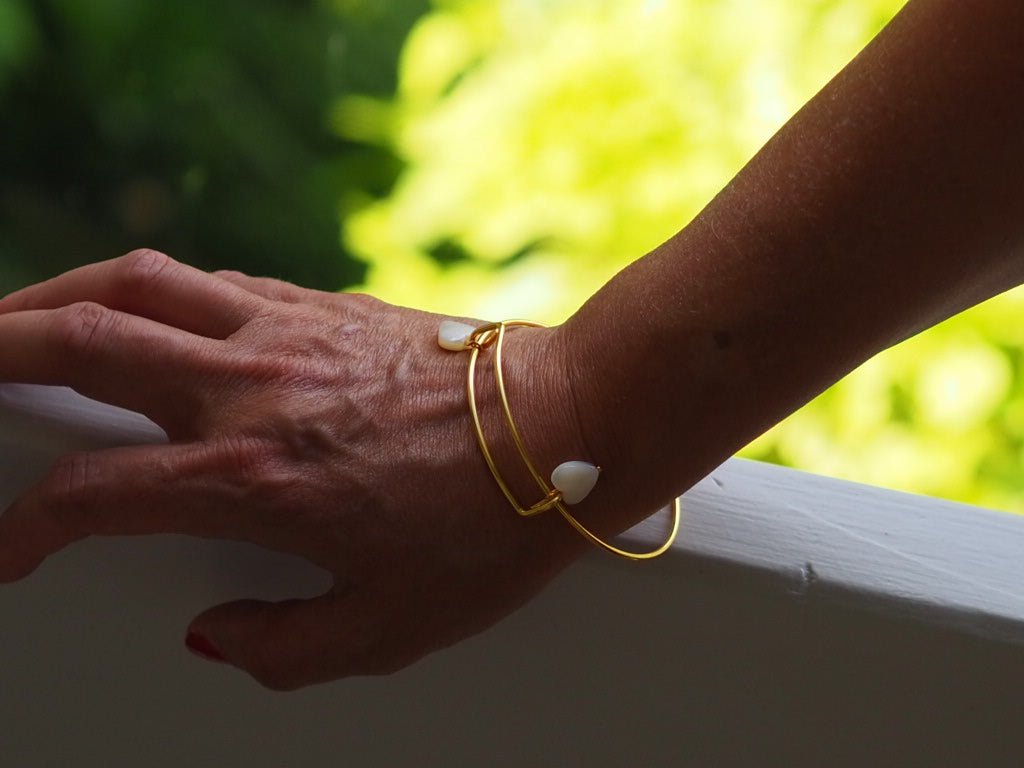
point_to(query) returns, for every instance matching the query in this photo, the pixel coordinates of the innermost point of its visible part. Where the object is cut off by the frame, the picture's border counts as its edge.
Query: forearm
(891, 201)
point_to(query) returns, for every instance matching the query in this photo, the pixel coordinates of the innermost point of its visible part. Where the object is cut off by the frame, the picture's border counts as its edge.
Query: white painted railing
(799, 621)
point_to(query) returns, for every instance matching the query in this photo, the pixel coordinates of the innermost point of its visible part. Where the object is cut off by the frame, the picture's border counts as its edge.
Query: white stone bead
(575, 479)
(452, 335)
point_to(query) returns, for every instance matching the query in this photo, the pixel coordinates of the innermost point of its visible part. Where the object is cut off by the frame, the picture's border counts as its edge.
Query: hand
(329, 426)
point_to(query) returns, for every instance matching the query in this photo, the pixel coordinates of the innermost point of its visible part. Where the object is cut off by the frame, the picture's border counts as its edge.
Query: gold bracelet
(572, 480)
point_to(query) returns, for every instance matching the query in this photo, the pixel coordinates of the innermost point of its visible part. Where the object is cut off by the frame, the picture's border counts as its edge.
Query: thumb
(283, 645)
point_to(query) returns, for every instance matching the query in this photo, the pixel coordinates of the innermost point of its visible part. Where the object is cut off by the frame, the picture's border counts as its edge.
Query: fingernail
(202, 647)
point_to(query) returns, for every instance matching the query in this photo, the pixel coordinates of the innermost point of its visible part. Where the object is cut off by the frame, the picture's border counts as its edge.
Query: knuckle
(363, 300)
(79, 328)
(279, 367)
(140, 269)
(283, 367)
(251, 459)
(263, 481)
(357, 296)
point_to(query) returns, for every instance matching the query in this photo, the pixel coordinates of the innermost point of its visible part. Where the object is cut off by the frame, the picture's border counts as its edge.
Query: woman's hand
(328, 426)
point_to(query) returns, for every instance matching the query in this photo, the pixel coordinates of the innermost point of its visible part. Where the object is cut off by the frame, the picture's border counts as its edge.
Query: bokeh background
(484, 157)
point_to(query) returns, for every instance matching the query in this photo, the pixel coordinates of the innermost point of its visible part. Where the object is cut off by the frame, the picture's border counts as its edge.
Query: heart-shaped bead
(453, 335)
(575, 479)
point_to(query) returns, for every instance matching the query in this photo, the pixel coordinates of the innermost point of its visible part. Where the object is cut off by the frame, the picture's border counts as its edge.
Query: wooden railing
(799, 620)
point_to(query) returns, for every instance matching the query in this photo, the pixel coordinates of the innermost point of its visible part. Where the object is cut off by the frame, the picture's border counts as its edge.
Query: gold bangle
(458, 336)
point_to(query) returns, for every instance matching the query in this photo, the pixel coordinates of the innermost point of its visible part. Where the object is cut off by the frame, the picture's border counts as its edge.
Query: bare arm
(891, 201)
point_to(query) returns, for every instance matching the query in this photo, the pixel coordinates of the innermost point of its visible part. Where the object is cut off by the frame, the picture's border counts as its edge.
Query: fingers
(278, 290)
(267, 287)
(148, 284)
(283, 645)
(110, 356)
(212, 490)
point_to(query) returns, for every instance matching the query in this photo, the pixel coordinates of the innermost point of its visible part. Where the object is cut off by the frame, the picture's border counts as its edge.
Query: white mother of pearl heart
(452, 335)
(575, 479)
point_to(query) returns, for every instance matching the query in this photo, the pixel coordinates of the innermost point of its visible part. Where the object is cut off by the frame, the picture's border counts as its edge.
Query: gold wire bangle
(494, 333)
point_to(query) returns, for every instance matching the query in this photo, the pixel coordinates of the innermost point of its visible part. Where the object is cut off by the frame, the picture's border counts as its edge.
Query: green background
(486, 157)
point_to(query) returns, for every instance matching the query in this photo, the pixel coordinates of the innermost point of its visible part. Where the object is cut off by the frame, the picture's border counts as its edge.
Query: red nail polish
(202, 647)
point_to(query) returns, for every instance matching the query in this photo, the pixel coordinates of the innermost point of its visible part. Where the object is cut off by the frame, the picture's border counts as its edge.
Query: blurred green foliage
(481, 157)
(202, 129)
(549, 143)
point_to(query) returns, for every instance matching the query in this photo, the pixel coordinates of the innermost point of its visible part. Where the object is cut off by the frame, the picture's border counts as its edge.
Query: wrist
(535, 366)
(554, 425)
(540, 390)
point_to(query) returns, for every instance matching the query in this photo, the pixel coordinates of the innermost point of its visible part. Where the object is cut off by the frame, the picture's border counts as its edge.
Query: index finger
(196, 489)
